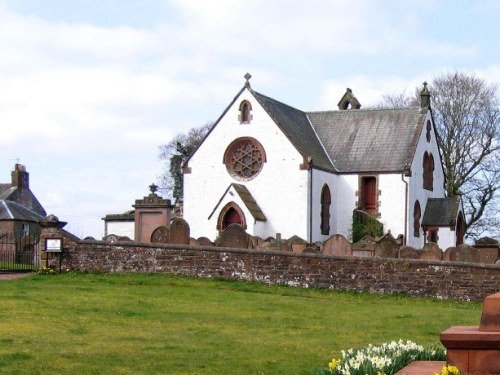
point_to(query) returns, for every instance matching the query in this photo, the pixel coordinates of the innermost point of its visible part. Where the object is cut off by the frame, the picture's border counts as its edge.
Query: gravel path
(12, 276)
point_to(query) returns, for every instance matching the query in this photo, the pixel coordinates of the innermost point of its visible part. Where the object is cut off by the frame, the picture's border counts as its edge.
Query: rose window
(244, 158)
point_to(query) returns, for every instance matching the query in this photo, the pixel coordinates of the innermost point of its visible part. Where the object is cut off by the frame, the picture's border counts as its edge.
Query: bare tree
(467, 118)
(174, 153)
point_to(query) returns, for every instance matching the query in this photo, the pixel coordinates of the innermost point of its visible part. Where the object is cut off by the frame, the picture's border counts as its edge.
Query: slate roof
(250, 202)
(14, 211)
(297, 127)
(441, 212)
(20, 204)
(369, 140)
(346, 141)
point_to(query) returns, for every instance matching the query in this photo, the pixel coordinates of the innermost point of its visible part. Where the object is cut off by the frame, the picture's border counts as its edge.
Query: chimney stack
(20, 178)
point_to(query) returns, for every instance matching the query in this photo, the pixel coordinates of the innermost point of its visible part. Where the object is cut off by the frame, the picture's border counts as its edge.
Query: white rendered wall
(280, 189)
(120, 228)
(416, 190)
(391, 202)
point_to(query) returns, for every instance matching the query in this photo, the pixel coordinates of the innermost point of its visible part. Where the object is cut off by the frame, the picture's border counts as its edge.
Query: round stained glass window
(244, 158)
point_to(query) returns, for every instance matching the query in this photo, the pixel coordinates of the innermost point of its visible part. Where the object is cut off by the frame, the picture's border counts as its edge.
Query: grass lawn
(155, 324)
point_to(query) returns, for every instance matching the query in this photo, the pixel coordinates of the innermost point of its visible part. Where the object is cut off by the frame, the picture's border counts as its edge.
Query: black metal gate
(19, 254)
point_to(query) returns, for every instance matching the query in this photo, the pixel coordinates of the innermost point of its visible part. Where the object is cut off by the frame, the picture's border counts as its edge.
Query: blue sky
(90, 89)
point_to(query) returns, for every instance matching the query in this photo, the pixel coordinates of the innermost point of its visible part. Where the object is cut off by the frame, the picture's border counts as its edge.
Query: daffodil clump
(448, 370)
(384, 359)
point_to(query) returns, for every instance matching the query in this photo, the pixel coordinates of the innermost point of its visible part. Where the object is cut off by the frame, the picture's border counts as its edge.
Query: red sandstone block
(422, 368)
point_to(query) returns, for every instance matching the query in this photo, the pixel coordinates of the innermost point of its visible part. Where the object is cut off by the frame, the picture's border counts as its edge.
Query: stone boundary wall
(455, 280)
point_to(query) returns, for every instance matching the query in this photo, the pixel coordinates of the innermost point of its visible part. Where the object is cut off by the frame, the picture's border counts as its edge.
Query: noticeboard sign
(53, 245)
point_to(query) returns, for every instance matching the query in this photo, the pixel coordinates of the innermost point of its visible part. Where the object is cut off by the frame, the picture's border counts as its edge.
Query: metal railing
(20, 254)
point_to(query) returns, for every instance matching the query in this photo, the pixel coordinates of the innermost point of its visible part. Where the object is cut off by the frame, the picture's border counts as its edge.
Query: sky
(89, 89)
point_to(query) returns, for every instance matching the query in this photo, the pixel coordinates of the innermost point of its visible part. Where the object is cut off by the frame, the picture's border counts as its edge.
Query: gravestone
(179, 231)
(408, 252)
(430, 251)
(337, 245)
(160, 235)
(298, 244)
(364, 247)
(461, 253)
(257, 242)
(204, 241)
(234, 236)
(386, 247)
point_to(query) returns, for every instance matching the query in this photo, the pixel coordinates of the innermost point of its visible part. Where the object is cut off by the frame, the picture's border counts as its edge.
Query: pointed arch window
(460, 230)
(326, 201)
(428, 132)
(417, 213)
(428, 171)
(245, 115)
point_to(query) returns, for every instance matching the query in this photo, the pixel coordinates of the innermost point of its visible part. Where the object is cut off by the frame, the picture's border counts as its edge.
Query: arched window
(428, 133)
(245, 112)
(326, 201)
(428, 171)
(416, 219)
(231, 214)
(460, 230)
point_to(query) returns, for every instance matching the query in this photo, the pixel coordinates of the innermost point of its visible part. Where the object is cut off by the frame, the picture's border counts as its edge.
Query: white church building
(276, 169)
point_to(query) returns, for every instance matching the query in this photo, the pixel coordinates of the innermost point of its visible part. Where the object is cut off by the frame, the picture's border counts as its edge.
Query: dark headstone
(386, 247)
(234, 236)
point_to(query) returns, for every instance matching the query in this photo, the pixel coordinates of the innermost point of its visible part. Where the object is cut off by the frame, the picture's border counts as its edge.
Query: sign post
(53, 245)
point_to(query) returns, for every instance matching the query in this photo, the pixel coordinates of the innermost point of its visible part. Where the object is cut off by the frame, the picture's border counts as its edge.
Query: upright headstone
(179, 231)
(430, 251)
(160, 235)
(234, 236)
(461, 253)
(337, 245)
(386, 247)
(364, 248)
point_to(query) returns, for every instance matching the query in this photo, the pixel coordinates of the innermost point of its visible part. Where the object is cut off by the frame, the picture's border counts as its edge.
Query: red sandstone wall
(414, 277)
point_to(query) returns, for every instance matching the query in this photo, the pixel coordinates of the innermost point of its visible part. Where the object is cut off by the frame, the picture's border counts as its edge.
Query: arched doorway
(231, 214)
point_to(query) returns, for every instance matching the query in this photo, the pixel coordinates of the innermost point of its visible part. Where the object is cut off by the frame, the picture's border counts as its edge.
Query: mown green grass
(155, 324)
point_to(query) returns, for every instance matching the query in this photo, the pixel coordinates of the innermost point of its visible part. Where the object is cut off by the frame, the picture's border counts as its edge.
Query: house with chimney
(20, 211)
(273, 168)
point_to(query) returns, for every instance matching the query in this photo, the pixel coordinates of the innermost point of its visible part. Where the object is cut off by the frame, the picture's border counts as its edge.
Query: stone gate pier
(475, 350)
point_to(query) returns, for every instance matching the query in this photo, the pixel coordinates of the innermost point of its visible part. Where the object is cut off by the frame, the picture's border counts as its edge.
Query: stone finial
(247, 76)
(425, 97)
(153, 188)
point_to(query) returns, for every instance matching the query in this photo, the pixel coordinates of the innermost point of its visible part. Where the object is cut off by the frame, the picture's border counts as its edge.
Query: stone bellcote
(349, 101)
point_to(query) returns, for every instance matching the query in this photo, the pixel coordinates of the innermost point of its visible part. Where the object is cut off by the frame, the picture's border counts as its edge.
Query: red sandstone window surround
(428, 171)
(326, 201)
(245, 115)
(244, 158)
(416, 219)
